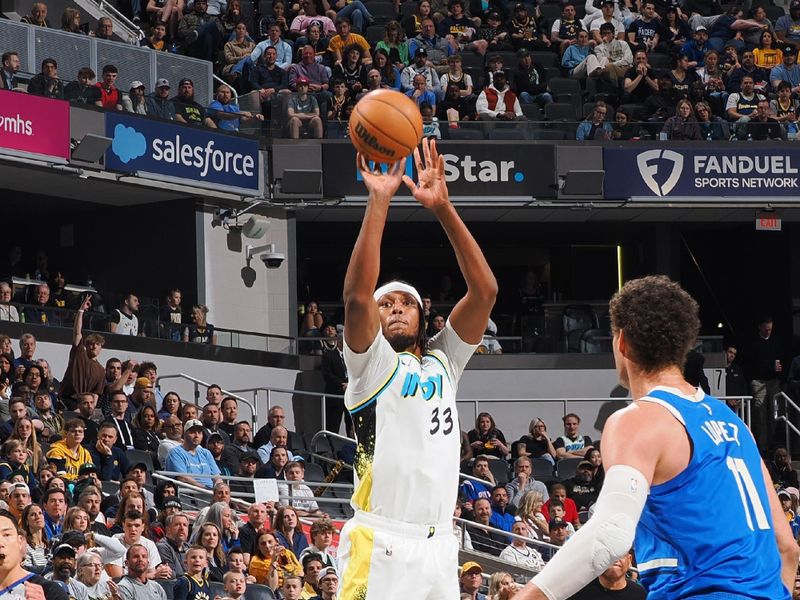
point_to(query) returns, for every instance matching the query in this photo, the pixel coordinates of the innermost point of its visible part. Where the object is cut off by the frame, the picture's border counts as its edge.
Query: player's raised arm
(361, 318)
(471, 314)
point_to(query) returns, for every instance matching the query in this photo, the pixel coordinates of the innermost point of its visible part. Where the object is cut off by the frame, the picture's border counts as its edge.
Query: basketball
(385, 126)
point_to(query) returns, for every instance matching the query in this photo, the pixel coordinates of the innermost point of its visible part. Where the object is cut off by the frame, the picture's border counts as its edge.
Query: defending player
(401, 394)
(682, 466)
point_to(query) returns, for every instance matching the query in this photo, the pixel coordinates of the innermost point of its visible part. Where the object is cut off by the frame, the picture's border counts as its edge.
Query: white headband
(397, 286)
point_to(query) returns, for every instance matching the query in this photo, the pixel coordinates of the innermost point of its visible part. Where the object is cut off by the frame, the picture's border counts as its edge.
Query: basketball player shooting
(402, 397)
(685, 485)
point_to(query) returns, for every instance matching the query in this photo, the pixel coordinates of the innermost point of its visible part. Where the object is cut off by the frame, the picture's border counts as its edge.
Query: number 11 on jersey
(748, 493)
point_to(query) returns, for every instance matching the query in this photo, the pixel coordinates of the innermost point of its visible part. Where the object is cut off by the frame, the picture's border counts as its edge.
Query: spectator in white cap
(134, 101)
(158, 103)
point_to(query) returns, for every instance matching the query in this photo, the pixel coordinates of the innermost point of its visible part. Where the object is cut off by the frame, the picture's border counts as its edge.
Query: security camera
(272, 260)
(267, 254)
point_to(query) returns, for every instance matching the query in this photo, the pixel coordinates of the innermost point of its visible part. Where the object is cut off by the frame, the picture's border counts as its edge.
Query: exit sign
(768, 222)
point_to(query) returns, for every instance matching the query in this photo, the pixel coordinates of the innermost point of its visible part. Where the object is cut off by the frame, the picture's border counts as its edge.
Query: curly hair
(660, 321)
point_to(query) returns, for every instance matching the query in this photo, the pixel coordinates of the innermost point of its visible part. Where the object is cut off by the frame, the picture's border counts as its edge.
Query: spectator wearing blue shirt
(595, 126)
(191, 458)
(787, 27)
(696, 50)
(502, 514)
(471, 489)
(284, 49)
(577, 52)
(789, 71)
(225, 112)
(110, 462)
(420, 93)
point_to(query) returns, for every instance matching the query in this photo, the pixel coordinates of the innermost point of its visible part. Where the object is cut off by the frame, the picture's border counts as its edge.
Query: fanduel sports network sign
(490, 169)
(196, 155)
(739, 169)
(34, 125)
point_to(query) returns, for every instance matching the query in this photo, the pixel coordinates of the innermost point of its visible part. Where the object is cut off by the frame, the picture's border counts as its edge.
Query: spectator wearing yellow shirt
(67, 453)
(767, 55)
(271, 562)
(343, 38)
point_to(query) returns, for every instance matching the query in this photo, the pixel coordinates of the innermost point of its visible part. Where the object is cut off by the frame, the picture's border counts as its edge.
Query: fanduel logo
(130, 144)
(470, 170)
(648, 163)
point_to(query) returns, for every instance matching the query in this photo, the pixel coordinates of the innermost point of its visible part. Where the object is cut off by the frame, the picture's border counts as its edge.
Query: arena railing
(198, 383)
(328, 436)
(73, 51)
(243, 500)
(742, 404)
(787, 417)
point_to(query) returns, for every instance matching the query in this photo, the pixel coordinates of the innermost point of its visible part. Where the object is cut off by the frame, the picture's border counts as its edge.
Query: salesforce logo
(128, 144)
(203, 159)
(470, 170)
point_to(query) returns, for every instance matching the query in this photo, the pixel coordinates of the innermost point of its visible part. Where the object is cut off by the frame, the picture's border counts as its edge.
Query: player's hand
(33, 591)
(381, 186)
(431, 188)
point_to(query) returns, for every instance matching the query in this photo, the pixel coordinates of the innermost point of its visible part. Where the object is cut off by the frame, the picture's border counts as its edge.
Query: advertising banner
(489, 169)
(195, 155)
(34, 125)
(702, 170)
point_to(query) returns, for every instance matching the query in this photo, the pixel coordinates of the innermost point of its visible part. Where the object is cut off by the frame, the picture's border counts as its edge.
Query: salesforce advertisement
(674, 173)
(489, 169)
(194, 155)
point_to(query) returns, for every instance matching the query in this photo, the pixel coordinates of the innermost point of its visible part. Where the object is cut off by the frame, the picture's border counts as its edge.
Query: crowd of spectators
(645, 70)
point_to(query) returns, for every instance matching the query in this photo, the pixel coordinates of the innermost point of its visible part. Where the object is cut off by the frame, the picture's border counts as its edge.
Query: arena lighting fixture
(91, 148)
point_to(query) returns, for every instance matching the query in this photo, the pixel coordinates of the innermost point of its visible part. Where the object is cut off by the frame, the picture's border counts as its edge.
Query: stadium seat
(595, 341)
(314, 472)
(169, 587)
(583, 516)
(774, 12)
(470, 60)
(532, 112)
(499, 469)
(658, 61)
(257, 591)
(565, 85)
(575, 319)
(546, 59)
(559, 111)
(635, 112)
(407, 9)
(549, 134)
(541, 467)
(374, 34)
(552, 72)
(217, 589)
(383, 12)
(466, 133)
(567, 467)
(497, 133)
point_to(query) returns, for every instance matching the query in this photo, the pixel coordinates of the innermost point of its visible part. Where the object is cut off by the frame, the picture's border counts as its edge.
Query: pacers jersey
(708, 533)
(409, 439)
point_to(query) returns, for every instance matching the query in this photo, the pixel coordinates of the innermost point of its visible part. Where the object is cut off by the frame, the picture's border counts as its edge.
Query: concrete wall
(254, 298)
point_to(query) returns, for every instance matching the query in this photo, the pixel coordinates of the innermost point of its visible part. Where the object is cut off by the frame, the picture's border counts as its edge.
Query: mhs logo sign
(650, 163)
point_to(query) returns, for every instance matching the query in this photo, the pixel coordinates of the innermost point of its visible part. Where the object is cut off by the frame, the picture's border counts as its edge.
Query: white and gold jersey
(406, 423)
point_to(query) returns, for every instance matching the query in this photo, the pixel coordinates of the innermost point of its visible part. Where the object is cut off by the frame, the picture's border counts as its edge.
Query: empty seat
(374, 34)
(575, 320)
(546, 59)
(595, 341)
(635, 112)
(567, 467)
(532, 112)
(255, 591)
(541, 467)
(499, 469)
(565, 85)
(497, 133)
(472, 60)
(552, 72)
(658, 61)
(559, 111)
(169, 586)
(549, 134)
(774, 12)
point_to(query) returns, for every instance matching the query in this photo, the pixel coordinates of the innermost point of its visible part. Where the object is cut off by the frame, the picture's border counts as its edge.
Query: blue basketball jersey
(708, 533)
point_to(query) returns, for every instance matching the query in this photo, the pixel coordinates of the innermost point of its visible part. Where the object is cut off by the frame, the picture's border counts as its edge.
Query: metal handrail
(789, 425)
(269, 390)
(198, 382)
(465, 523)
(110, 8)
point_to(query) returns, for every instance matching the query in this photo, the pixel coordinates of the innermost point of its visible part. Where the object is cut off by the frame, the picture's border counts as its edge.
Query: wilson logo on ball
(371, 141)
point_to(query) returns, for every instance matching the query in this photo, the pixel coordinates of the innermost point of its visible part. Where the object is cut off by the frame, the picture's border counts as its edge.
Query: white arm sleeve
(607, 536)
